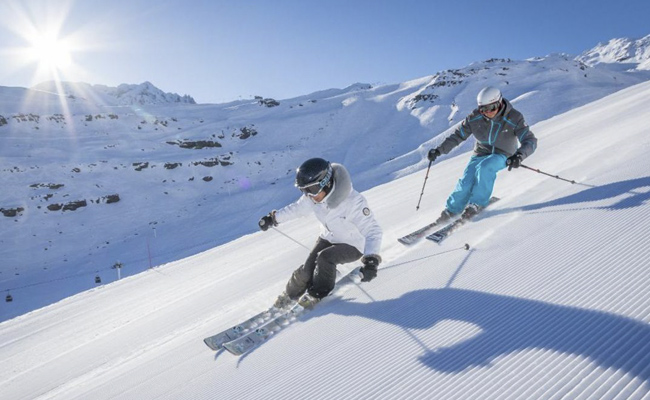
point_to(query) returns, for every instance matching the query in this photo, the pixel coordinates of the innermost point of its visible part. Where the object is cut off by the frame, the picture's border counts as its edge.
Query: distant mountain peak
(620, 50)
(124, 94)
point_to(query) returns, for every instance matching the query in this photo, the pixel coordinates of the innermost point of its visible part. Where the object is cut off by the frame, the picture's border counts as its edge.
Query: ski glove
(267, 221)
(369, 269)
(433, 154)
(514, 161)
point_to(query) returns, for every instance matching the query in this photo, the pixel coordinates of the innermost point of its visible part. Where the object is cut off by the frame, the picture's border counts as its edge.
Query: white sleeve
(365, 221)
(297, 209)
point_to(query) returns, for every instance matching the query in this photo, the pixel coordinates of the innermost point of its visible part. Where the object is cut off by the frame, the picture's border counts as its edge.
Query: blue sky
(217, 51)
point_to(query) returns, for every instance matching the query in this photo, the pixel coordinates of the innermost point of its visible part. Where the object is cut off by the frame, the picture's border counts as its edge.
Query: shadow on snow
(510, 324)
(630, 187)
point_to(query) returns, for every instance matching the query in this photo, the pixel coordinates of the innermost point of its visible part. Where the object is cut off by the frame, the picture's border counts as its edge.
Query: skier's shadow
(510, 324)
(637, 191)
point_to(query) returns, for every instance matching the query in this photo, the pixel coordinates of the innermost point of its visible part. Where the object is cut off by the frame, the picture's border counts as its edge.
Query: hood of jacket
(342, 186)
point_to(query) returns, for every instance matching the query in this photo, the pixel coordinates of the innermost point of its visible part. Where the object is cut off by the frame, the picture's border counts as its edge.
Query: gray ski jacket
(497, 135)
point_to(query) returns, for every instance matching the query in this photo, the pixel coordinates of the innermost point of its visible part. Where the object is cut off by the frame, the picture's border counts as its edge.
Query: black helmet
(313, 176)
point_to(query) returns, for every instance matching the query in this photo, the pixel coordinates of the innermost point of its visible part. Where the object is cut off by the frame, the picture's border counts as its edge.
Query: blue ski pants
(477, 182)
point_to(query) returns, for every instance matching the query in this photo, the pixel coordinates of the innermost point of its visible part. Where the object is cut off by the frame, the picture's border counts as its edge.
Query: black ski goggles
(488, 108)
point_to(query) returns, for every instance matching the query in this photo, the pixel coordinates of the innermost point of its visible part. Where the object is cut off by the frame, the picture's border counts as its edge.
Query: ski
(215, 342)
(414, 237)
(444, 232)
(257, 336)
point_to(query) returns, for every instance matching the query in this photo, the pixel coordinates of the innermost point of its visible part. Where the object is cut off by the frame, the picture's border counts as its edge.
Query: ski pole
(423, 185)
(290, 238)
(544, 173)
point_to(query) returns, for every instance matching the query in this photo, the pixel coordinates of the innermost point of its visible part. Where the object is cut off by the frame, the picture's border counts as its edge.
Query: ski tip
(435, 239)
(405, 242)
(210, 344)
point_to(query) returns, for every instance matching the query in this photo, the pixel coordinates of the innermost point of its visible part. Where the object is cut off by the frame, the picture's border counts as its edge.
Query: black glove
(514, 161)
(267, 221)
(433, 154)
(369, 269)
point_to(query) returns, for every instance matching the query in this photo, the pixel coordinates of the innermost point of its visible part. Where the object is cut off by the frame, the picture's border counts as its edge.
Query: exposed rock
(268, 102)
(111, 198)
(212, 162)
(198, 144)
(73, 205)
(425, 97)
(26, 117)
(11, 212)
(139, 166)
(246, 132)
(52, 186)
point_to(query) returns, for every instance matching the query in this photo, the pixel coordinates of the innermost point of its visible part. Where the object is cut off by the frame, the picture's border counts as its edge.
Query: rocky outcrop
(195, 144)
(11, 212)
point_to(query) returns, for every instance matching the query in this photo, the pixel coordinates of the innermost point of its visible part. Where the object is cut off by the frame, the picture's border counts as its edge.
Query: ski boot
(284, 302)
(470, 211)
(445, 216)
(308, 301)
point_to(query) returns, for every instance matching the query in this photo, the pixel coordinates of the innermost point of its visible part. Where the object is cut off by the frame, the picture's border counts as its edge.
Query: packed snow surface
(550, 302)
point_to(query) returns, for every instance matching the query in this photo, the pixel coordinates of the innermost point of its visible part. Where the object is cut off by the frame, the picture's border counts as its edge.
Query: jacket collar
(341, 188)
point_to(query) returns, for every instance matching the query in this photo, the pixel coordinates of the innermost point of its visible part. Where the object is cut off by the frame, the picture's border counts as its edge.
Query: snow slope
(550, 302)
(97, 175)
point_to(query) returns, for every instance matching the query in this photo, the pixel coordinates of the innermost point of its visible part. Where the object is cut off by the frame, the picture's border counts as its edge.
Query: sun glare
(46, 45)
(50, 52)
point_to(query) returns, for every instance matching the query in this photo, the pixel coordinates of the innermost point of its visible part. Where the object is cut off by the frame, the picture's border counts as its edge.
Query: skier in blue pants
(503, 139)
(477, 182)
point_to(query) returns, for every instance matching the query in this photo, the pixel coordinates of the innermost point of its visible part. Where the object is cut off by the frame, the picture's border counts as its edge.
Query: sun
(44, 42)
(50, 52)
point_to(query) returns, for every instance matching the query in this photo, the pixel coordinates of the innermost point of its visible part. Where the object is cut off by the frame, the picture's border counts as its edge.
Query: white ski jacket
(344, 215)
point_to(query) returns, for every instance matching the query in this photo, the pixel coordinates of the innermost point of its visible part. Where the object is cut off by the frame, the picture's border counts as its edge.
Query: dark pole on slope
(423, 185)
(290, 238)
(544, 173)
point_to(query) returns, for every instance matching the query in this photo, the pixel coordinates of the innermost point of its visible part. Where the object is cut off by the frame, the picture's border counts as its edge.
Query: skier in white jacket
(349, 230)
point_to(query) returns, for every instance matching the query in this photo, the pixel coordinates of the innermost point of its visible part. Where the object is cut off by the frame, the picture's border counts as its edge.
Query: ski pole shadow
(218, 353)
(633, 187)
(510, 324)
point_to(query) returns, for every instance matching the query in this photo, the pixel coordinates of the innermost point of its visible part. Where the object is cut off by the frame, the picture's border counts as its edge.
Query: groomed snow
(550, 302)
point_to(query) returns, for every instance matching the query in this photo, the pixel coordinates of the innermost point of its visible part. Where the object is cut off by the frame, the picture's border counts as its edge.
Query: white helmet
(488, 95)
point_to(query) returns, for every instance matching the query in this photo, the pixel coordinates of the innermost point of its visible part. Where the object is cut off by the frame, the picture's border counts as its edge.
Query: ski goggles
(487, 108)
(315, 188)
(312, 190)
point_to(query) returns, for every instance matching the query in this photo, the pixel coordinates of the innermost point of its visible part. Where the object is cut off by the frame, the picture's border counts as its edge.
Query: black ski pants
(318, 274)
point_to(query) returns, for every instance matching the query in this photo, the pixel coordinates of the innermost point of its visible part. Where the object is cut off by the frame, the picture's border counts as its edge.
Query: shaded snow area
(551, 301)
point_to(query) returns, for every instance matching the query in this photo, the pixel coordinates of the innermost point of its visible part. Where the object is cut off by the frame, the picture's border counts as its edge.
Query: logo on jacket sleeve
(366, 211)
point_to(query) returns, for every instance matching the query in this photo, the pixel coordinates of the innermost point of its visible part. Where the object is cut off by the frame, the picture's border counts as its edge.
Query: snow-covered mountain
(124, 95)
(621, 50)
(96, 176)
(550, 301)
